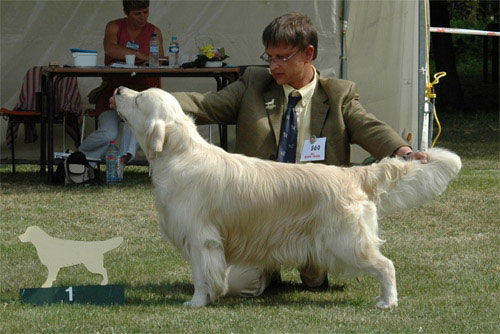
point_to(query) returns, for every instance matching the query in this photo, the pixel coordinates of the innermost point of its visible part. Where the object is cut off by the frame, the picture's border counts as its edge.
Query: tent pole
(343, 56)
(422, 68)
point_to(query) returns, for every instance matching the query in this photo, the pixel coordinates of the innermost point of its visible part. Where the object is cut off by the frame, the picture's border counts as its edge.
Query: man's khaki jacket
(255, 104)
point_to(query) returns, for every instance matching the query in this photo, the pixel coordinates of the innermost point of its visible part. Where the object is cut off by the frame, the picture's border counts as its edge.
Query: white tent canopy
(381, 45)
(382, 58)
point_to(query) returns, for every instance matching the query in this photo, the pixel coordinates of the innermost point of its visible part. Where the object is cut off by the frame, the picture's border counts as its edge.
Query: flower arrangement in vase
(211, 56)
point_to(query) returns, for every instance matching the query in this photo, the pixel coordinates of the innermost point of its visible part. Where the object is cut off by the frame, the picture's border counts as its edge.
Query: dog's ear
(155, 138)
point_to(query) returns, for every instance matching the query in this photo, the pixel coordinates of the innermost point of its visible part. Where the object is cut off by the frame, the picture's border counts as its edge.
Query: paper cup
(130, 59)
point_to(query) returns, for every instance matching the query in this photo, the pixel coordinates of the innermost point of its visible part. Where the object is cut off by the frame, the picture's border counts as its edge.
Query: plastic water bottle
(173, 53)
(113, 165)
(154, 52)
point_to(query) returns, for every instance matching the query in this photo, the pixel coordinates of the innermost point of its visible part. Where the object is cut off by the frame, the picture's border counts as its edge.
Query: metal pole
(422, 68)
(431, 123)
(464, 31)
(343, 56)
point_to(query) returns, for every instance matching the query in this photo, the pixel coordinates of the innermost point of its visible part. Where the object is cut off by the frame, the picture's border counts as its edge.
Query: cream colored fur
(57, 253)
(223, 209)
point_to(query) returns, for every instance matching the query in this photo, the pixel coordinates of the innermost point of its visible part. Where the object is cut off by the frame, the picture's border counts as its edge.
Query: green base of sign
(90, 294)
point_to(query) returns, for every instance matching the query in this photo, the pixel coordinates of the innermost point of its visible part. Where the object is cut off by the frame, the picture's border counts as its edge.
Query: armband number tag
(132, 45)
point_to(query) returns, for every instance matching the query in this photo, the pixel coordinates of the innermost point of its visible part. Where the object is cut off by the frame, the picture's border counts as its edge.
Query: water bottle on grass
(113, 165)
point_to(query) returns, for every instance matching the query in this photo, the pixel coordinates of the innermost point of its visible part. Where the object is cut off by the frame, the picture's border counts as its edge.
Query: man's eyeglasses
(278, 60)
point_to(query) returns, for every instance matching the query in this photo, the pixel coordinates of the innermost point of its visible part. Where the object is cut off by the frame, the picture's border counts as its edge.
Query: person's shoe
(124, 159)
(275, 279)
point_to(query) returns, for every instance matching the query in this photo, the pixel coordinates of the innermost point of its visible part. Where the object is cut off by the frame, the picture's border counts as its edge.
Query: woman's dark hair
(291, 29)
(130, 5)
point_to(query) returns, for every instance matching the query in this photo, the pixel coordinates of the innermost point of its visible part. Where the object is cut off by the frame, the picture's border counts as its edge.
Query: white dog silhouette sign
(55, 253)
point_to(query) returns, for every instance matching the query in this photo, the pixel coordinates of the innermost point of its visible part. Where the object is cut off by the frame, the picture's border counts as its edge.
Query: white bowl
(84, 59)
(213, 64)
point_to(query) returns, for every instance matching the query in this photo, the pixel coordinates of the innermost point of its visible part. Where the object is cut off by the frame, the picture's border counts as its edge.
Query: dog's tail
(396, 184)
(107, 245)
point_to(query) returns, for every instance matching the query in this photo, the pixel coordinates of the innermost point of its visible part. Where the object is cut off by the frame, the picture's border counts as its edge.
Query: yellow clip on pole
(430, 86)
(431, 95)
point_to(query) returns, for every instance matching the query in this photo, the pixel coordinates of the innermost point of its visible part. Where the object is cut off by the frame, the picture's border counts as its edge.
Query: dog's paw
(47, 284)
(194, 304)
(386, 305)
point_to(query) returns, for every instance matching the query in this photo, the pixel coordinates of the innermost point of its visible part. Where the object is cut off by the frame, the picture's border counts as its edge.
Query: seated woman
(128, 35)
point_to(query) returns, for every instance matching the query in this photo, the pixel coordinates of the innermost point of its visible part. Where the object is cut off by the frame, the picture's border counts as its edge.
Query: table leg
(223, 136)
(221, 83)
(41, 103)
(50, 117)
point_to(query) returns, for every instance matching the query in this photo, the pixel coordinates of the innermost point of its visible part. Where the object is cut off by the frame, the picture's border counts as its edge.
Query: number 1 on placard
(70, 292)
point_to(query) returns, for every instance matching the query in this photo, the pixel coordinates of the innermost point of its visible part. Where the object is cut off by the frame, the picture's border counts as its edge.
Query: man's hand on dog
(407, 153)
(112, 102)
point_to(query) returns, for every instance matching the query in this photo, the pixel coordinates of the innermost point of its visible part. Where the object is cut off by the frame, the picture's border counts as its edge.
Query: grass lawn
(446, 253)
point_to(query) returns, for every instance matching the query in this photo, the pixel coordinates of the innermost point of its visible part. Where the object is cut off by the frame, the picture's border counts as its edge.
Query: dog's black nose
(117, 91)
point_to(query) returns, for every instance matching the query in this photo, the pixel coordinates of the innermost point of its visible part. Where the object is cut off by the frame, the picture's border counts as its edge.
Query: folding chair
(27, 112)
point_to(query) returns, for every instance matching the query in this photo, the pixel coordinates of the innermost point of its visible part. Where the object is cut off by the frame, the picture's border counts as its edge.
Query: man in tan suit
(331, 107)
(328, 109)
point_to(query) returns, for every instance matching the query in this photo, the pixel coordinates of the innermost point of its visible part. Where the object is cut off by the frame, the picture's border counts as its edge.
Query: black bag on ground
(76, 170)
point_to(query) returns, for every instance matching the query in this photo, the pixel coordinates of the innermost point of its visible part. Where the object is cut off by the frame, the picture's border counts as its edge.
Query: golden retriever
(57, 253)
(222, 209)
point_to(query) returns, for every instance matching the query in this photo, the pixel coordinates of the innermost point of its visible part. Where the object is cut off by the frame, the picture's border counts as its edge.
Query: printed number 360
(315, 147)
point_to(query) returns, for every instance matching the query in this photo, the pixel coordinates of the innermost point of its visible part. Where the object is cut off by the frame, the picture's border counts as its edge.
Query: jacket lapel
(319, 109)
(276, 109)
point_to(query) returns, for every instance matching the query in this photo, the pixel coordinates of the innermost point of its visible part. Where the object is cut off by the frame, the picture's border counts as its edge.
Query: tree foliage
(461, 56)
(476, 11)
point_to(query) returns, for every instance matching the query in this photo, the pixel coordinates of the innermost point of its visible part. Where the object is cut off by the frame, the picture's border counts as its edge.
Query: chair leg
(96, 126)
(12, 154)
(43, 134)
(43, 146)
(64, 133)
(83, 128)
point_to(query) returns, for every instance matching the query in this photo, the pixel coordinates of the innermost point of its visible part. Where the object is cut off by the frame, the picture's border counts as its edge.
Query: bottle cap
(112, 142)
(154, 35)
(174, 38)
